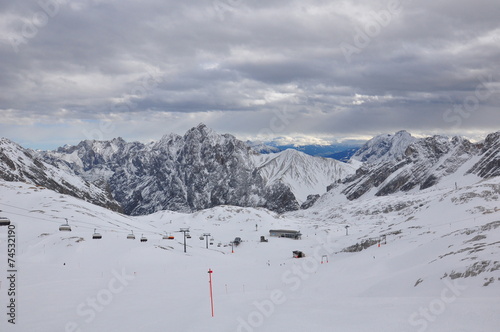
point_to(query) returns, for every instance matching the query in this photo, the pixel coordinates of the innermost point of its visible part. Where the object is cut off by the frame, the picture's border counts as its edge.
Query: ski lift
(4, 221)
(188, 235)
(168, 237)
(131, 236)
(211, 241)
(96, 236)
(65, 227)
(144, 239)
(201, 237)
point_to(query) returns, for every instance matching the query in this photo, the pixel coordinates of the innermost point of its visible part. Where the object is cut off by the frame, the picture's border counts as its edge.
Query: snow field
(114, 284)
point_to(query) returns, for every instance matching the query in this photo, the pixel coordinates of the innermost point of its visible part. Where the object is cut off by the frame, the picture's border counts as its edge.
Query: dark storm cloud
(425, 66)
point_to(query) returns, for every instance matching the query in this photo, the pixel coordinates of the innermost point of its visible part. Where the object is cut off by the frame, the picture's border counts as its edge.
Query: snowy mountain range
(402, 163)
(203, 169)
(198, 170)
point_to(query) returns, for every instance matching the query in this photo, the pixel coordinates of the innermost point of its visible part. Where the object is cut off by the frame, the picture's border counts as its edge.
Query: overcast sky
(308, 71)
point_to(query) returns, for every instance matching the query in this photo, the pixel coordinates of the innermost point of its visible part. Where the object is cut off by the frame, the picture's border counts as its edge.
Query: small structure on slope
(290, 234)
(298, 254)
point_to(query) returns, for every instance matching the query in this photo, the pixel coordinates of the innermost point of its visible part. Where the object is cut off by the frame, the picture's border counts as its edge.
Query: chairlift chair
(188, 235)
(65, 227)
(211, 241)
(96, 236)
(4, 221)
(144, 239)
(131, 236)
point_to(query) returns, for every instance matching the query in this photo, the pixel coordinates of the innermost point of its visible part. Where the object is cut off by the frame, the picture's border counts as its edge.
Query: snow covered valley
(423, 261)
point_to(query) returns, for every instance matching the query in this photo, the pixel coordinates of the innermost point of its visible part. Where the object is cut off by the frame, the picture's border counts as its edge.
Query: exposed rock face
(199, 170)
(311, 199)
(489, 164)
(19, 164)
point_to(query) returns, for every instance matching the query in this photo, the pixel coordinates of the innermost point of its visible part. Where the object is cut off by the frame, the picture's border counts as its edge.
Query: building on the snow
(285, 233)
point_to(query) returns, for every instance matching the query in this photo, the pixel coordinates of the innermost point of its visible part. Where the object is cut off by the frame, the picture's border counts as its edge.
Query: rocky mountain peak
(198, 170)
(385, 147)
(203, 134)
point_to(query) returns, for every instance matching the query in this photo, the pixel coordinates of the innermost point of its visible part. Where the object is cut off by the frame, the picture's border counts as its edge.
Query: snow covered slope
(305, 175)
(436, 269)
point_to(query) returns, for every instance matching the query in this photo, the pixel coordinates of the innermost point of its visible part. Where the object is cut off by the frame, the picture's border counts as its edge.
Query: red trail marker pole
(211, 293)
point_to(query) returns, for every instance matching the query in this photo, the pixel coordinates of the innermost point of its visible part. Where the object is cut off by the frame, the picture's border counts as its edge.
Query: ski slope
(69, 282)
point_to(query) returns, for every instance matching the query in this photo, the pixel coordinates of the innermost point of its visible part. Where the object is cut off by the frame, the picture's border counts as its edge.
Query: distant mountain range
(342, 152)
(203, 169)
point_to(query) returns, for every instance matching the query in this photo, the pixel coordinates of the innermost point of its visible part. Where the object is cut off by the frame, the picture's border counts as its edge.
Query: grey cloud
(236, 65)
